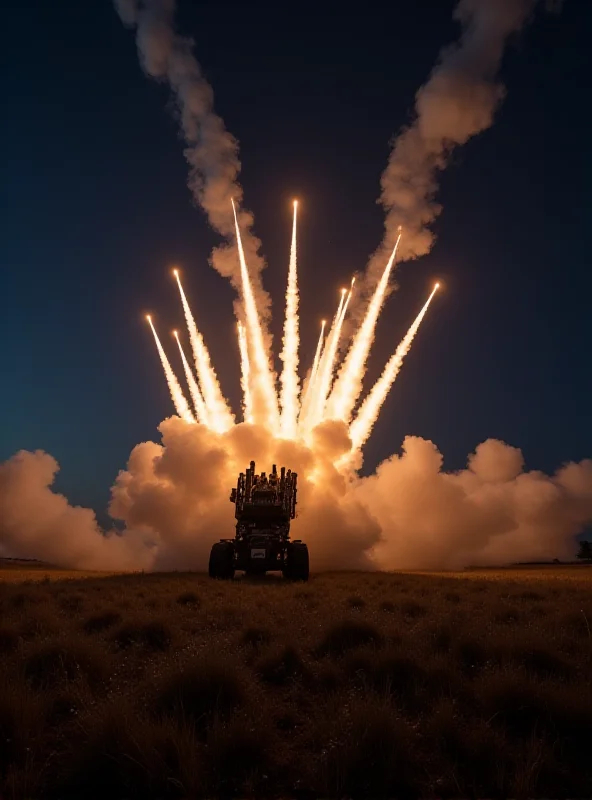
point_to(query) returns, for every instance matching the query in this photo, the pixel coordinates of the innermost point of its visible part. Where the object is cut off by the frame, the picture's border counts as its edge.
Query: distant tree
(585, 553)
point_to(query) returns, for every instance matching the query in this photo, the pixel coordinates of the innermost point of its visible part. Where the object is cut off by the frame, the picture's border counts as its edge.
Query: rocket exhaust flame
(177, 396)
(322, 398)
(289, 355)
(245, 373)
(361, 427)
(219, 416)
(198, 401)
(349, 382)
(309, 385)
(263, 383)
(326, 376)
(324, 370)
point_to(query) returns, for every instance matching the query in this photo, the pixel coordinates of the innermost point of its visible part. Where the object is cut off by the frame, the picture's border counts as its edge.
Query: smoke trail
(289, 355)
(264, 396)
(212, 152)
(458, 101)
(312, 410)
(327, 365)
(220, 416)
(349, 382)
(245, 373)
(177, 396)
(198, 402)
(361, 427)
(310, 382)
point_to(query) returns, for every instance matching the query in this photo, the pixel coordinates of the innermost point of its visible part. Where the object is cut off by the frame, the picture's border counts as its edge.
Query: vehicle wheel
(296, 568)
(222, 561)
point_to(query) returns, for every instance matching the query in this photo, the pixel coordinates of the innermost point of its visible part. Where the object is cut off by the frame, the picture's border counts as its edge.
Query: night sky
(95, 210)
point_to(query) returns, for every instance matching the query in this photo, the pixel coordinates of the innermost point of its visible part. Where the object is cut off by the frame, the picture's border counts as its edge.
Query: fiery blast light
(361, 427)
(289, 355)
(218, 413)
(313, 407)
(196, 397)
(349, 382)
(177, 396)
(263, 382)
(309, 385)
(327, 367)
(245, 373)
(324, 397)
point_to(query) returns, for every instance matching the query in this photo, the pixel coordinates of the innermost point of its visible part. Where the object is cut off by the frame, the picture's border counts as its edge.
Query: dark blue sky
(94, 209)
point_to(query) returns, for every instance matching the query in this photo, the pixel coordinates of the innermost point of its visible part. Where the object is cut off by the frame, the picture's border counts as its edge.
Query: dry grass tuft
(280, 667)
(189, 599)
(205, 689)
(50, 664)
(456, 685)
(347, 635)
(152, 635)
(101, 622)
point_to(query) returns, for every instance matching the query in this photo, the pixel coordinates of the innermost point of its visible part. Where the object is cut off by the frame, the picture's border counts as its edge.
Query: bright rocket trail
(245, 373)
(361, 427)
(198, 401)
(178, 398)
(349, 381)
(219, 415)
(327, 366)
(313, 407)
(262, 378)
(301, 411)
(309, 386)
(289, 355)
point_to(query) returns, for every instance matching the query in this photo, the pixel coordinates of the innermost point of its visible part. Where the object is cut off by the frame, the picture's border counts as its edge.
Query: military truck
(264, 507)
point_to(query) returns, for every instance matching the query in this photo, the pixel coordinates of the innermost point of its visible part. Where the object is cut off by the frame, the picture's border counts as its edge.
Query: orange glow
(348, 385)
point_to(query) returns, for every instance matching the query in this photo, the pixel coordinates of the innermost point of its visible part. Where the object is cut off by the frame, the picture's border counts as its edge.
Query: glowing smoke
(173, 498)
(458, 101)
(212, 152)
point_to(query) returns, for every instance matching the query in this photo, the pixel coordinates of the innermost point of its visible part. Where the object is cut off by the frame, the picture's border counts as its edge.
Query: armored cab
(264, 507)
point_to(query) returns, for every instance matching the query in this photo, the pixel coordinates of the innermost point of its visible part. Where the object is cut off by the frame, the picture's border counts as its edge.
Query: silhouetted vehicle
(264, 507)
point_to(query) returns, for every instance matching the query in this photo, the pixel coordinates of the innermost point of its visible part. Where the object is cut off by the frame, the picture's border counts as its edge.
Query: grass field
(355, 684)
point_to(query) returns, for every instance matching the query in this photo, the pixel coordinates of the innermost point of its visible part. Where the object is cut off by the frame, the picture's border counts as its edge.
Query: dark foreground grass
(355, 685)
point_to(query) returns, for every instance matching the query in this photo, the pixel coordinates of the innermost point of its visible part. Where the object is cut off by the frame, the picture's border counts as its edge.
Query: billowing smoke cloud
(35, 522)
(458, 101)
(174, 500)
(212, 152)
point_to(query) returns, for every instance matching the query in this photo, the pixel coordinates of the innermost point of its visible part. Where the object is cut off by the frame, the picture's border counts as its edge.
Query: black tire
(222, 561)
(297, 568)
